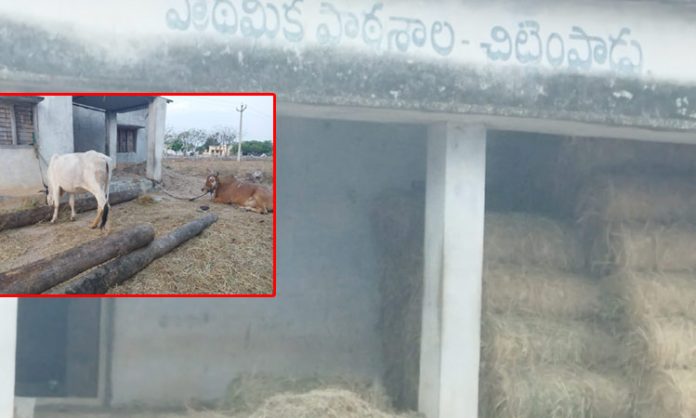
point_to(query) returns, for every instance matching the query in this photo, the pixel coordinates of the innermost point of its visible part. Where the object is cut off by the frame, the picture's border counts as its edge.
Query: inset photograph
(137, 194)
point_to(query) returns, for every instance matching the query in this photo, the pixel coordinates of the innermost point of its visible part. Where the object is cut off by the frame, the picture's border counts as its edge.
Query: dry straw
(511, 341)
(553, 393)
(531, 240)
(248, 392)
(669, 394)
(663, 343)
(317, 403)
(649, 294)
(324, 403)
(639, 246)
(540, 292)
(635, 197)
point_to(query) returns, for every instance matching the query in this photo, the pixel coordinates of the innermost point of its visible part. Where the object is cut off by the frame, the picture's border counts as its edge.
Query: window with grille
(16, 124)
(127, 139)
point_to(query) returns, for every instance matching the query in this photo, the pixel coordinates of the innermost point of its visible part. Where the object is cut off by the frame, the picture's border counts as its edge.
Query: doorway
(59, 348)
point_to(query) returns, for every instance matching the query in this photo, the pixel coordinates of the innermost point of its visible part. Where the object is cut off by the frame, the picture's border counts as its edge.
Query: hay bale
(662, 343)
(636, 197)
(649, 294)
(668, 393)
(581, 159)
(591, 155)
(324, 403)
(247, 392)
(540, 292)
(553, 392)
(512, 341)
(531, 240)
(659, 320)
(643, 247)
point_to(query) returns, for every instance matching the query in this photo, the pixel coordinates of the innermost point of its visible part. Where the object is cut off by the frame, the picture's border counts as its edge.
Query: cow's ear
(217, 174)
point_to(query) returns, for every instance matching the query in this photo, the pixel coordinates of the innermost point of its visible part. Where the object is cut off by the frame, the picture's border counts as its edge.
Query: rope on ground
(190, 199)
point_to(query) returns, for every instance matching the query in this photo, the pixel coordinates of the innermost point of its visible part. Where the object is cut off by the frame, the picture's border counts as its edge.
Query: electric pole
(241, 110)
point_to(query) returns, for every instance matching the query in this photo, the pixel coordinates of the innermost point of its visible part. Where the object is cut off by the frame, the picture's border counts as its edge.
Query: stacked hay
(579, 159)
(641, 234)
(638, 222)
(544, 349)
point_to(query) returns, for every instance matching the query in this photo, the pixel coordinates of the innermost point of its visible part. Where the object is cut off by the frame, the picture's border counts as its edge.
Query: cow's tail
(105, 212)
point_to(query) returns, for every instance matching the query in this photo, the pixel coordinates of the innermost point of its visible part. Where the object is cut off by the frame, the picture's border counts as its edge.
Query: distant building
(218, 151)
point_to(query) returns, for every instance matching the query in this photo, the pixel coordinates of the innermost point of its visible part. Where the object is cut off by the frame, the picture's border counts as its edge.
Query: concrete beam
(112, 136)
(8, 341)
(454, 219)
(544, 125)
(156, 119)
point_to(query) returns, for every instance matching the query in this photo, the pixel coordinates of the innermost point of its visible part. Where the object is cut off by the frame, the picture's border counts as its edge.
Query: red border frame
(202, 295)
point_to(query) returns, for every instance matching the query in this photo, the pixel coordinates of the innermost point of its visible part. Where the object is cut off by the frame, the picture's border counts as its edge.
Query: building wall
(8, 338)
(90, 129)
(325, 319)
(90, 133)
(136, 118)
(19, 171)
(619, 64)
(55, 119)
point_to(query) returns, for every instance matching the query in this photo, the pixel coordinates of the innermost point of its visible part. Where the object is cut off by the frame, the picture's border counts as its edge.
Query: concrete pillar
(112, 136)
(8, 341)
(156, 119)
(454, 218)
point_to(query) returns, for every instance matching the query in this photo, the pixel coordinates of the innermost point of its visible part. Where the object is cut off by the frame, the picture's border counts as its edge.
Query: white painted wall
(8, 341)
(136, 118)
(664, 32)
(55, 126)
(19, 171)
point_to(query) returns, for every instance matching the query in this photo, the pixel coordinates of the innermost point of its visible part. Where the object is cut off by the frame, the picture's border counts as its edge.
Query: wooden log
(26, 217)
(101, 279)
(42, 275)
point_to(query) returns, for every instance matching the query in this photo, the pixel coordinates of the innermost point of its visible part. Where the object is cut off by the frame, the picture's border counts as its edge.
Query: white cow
(79, 173)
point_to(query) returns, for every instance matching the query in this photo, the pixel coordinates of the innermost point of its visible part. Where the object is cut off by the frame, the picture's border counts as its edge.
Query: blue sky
(210, 112)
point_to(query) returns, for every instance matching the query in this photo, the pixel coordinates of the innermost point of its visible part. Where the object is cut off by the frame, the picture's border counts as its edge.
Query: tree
(176, 145)
(255, 148)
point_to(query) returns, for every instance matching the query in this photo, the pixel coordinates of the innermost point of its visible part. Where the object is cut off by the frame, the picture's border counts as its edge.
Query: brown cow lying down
(229, 190)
